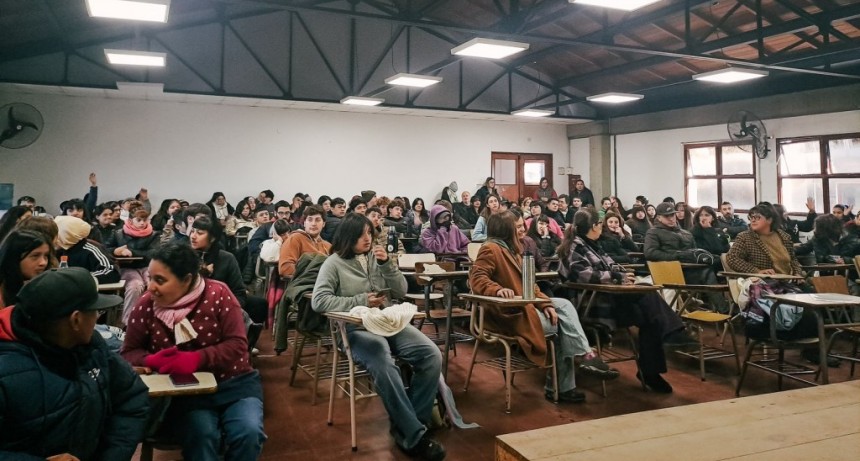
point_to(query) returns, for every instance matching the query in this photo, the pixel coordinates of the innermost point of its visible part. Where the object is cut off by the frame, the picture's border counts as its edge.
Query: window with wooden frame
(826, 168)
(720, 172)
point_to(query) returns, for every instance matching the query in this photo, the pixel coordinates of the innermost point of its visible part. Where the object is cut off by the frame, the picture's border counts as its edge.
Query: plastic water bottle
(64, 262)
(528, 276)
(391, 245)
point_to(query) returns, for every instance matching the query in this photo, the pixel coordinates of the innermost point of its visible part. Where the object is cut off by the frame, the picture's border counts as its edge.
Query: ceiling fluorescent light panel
(413, 80)
(615, 98)
(730, 75)
(532, 113)
(138, 10)
(489, 48)
(360, 101)
(136, 58)
(626, 5)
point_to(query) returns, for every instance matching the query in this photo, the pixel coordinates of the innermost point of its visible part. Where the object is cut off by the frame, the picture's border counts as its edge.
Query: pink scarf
(129, 229)
(171, 314)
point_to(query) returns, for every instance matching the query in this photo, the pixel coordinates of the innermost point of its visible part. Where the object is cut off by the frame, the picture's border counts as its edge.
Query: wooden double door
(518, 175)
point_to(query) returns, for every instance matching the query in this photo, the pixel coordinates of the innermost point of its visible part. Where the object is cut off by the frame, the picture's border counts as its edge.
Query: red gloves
(171, 360)
(182, 363)
(160, 358)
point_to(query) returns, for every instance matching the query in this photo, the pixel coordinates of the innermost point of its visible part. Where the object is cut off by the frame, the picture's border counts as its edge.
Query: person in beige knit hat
(72, 242)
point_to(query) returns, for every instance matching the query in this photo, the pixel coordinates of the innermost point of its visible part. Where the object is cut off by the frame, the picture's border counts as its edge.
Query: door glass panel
(739, 192)
(703, 161)
(737, 160)
(505, 171)
(795, 192)
(844, 156)
(800, 158)
(702, 192)
(532, 172)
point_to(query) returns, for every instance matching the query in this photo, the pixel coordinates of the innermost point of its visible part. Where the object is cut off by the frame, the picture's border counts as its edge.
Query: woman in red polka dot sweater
(186, 323)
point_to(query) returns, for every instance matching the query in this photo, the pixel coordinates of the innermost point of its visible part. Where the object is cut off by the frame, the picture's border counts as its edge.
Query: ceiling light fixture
(136, 58)
(626, 5)
(489, 48)
(360, 101)
(731, 75)
(138, 10)
(615, 98)
(413, 80)
(532, 113)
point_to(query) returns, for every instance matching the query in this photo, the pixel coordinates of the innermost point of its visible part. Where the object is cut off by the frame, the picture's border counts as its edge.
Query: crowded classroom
(223, 258)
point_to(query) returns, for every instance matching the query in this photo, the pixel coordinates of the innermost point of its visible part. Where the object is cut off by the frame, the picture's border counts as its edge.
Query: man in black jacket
(62, 392)
(729, 222)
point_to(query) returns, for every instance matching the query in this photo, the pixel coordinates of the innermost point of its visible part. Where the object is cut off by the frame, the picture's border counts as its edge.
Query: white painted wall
(579, 158)
(189, 150)
(652, 163)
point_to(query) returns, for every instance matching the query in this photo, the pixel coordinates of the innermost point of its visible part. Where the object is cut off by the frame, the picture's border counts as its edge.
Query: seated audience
(794, 227)
(449, 193)
(325, 202)
(553, 211)
(684, 216)
(270, 251)
(582, 193)
(705, 233)
(357, 205)
(728, 221)
(11, 218)
(497, 272)
(353, 276)
(463, 211)
(265, 200)
(584, 261)
(615, 239)
(221, 210)
(66, 396)
(416, 217)
(443, 236)
(479, 233)
(303, 241)
(381, 232)
(638, 223)
(104, 221)
(843, 212)
(136, 239)
(395, 217)
(72, 242)
(489, 188)
(166, 212)
(651, 213)
(242, 221)
(537, 209)
(24, 254)
(546, 241)
(161, 336)
(182, 224)
(824, 244)
(618, 207)
(564, 208)
(334, 218)
(605, 206)
(544, 192)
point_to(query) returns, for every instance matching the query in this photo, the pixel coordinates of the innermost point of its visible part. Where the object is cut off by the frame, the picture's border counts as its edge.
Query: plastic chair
(671, 276)
(508, 364)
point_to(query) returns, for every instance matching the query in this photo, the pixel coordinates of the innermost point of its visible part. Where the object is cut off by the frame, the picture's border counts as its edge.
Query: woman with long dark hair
(24, 254)
(546, 241)
(489, 188)
(12, 217)
(355, 274)
(186, 323)
(638, 223)
(416, 217)
(221, 210)
(166, 212)
(706, 235)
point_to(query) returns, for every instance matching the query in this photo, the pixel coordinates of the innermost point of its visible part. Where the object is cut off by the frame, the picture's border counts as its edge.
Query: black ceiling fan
(21, 125)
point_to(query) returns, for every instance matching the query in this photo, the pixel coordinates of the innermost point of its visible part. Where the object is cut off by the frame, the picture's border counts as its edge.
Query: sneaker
(427, 449)
(655, 383)
(811, 356)
(679, 338)
(595, 366)
(254, 331)
(572, 396)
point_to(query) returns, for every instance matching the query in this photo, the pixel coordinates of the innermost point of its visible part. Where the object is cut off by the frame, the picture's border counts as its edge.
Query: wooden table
(160, 385)
(829, 267)
(818, 302)
(730, 274)
(811, 423)
(114, 288)
(548, 275)
(590, 291)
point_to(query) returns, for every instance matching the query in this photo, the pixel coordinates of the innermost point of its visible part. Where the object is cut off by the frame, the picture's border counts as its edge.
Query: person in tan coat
(304, 241)
(497, 271)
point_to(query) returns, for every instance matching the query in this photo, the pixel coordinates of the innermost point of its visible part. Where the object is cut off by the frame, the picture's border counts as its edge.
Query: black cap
(56, 294)
(665, 209)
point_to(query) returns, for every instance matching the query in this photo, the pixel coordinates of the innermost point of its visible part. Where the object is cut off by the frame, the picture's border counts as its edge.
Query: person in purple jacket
(443, 236)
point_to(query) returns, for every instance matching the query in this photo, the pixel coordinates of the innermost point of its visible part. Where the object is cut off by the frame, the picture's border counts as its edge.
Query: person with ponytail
(135, 239)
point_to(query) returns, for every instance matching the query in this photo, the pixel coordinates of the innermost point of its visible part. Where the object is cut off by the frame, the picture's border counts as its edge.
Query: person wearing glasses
(65, 395)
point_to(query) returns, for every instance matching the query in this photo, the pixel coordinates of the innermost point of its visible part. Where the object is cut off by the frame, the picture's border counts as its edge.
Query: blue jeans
(241, 422)
(570, 341)
(409, 411)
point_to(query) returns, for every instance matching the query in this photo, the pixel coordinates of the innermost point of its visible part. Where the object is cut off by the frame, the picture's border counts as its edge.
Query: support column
(600, 167)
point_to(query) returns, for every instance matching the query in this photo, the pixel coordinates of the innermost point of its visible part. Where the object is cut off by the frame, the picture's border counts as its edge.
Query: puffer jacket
(85, 401)
(139, 247)
(664, 244)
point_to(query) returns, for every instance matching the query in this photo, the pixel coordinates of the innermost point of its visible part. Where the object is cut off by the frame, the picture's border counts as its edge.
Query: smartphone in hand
(383, 292)
(183, 380)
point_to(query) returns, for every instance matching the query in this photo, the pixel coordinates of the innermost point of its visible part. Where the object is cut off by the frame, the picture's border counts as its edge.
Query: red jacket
(221, 338)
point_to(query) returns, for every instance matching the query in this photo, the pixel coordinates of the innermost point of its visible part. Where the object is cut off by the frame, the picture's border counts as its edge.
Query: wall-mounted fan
(20, 125)
(744, 127)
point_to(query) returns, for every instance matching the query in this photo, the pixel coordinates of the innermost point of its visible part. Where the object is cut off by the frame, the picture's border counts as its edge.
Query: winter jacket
(139, 247)
(412, 229)
(544, 194)
(497, 267)
(465, 213)
(307, 320)
(104, 232)
(92, 257)
(732, 226)
(585, 195)
(226, 270)
(445, 239)
(547, 245)
(331, 224)
(849, 244)
(296, 245)
(530, 246)
(399, 224)
(484, 192)
(794, 227)
(712, 239)
(553, 227)
(664, 244)
(825, 250)
(616, 246)
(588, 263)
(86, 401)
(638, 228)
(749, 254)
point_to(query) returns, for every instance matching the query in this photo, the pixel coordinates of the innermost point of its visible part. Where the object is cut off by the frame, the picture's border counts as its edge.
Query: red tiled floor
(298, 431)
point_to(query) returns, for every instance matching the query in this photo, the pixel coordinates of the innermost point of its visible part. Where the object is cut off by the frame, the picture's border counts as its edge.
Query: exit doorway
(518, 175)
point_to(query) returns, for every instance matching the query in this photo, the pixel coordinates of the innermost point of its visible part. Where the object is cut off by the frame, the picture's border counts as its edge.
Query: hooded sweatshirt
(443, 239)
(72, 238)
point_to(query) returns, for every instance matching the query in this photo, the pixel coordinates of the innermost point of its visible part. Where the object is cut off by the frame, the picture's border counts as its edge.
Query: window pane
(737, 160)
(844, 191)
(795, 192)
(702, 192)
(532, 172)
(505, 171)
(844, 156)
(702, 161)
(800, 158)
(740, 192)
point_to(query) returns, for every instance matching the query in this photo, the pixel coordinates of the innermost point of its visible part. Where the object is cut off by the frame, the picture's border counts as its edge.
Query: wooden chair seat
(457, 312)
(706, 316)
